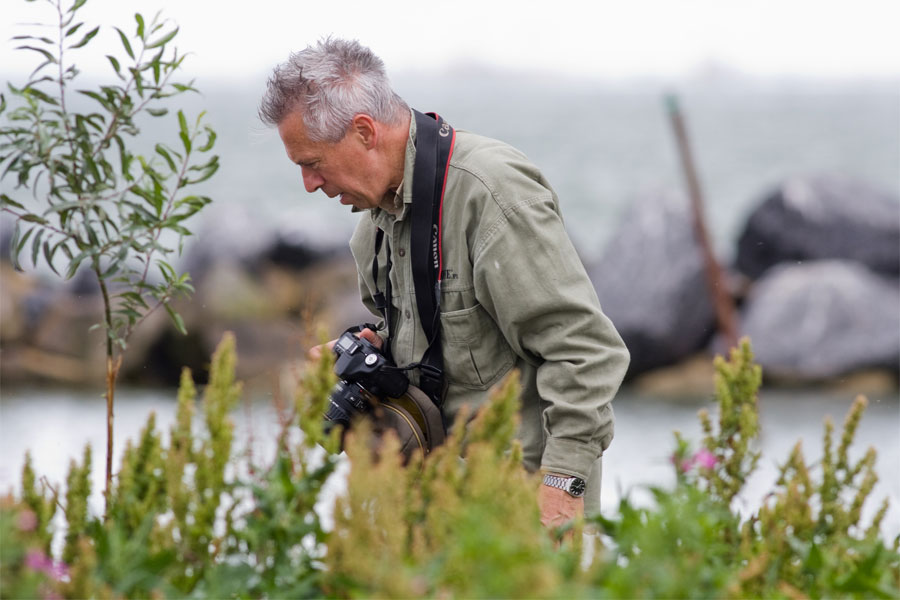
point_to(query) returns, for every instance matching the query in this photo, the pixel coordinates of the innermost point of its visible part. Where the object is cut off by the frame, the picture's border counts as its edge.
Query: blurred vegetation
(187, 519)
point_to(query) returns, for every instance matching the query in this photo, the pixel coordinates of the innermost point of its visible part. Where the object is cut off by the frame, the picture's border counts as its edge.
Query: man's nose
(311, 180)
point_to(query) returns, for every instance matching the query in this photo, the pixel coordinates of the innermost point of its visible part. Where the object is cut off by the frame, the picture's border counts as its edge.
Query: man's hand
(558, 507)
(315, 353)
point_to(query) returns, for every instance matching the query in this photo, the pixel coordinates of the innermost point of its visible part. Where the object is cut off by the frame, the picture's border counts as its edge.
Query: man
(514, 293)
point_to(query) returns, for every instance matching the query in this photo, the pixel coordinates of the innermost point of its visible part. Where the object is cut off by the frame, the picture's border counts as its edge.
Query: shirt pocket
(476, 354)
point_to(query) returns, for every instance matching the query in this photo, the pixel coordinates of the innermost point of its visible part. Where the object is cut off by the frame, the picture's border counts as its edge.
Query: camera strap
(434, 147)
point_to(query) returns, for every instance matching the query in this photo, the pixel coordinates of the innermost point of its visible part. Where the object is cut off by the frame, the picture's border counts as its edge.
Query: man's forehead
(293, 134)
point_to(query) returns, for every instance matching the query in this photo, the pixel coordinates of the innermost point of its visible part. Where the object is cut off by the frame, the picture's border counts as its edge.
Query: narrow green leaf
(135, 298)
(166, 270)
(31, 91)
(38, 69)
(65, 248)
(97, 97)
(210, 140)
(78, 4)
(160, 149)
(158, 112)
(17, 247)
(48, 255)
(115, 63)
(176, 318)
(140, 25)
(7, 201)
(184, 134)
(73, 29)
(87, 38)
(36, 247)
(47, 55)
(75, 263)
(34, 219)
(164, 39)
(125, 43)
(184, 88)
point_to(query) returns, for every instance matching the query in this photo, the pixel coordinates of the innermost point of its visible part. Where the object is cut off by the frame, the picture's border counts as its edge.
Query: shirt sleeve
(529, 278)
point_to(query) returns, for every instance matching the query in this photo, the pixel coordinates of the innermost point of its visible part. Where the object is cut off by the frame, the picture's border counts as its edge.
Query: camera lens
(347, 400)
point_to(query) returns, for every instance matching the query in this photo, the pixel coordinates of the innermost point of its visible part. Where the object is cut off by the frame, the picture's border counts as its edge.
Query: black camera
(364, 373)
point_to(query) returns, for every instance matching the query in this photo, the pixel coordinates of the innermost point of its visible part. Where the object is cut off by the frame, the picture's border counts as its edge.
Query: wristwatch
(574, 486)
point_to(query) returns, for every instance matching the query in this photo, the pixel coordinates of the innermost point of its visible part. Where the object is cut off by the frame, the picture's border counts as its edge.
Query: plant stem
(112, 370)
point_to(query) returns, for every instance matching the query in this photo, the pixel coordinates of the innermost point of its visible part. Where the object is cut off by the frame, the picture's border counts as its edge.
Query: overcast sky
(822, 39)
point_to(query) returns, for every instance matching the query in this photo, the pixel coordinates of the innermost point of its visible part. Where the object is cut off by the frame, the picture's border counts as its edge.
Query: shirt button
(407, 314)
(401, 252)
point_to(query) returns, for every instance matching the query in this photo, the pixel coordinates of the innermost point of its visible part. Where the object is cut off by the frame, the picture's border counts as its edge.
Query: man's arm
(531, 281)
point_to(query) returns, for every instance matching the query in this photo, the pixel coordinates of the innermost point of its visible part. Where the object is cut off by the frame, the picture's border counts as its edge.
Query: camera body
(364, 374)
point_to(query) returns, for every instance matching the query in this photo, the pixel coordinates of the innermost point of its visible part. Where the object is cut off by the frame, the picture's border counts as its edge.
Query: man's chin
(356, 203)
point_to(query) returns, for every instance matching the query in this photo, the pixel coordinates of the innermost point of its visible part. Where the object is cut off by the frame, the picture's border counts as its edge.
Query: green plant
(446, 526)
(186, 520)
(809, 536)
(807, 540)
(93, 200)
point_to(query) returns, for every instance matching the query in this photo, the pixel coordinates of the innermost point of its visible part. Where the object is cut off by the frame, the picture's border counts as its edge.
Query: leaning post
(715, 279)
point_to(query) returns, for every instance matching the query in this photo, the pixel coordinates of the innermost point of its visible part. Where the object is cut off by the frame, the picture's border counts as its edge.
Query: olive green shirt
(514, 295)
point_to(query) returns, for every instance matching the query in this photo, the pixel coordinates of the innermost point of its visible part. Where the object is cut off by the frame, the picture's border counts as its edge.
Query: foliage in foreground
(186, 520)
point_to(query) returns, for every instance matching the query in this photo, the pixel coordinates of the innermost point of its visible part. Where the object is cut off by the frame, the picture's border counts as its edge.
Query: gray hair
(330, 83)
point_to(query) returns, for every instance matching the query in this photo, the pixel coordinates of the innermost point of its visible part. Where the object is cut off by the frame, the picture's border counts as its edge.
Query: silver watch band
(574, 486)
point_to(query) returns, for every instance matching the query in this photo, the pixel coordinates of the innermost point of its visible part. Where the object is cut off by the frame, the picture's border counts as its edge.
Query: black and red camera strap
(435, 139)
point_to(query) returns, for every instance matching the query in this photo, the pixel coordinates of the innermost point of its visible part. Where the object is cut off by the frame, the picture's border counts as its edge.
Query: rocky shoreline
(814, 279)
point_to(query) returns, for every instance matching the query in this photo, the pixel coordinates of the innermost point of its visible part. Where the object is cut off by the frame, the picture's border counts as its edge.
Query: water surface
(54, 425)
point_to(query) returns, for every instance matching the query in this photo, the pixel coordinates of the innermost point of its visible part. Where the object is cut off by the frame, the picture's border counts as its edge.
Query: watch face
(576, 488)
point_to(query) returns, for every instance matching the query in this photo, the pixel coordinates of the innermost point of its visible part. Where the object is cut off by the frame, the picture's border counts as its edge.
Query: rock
(822, 217)
(236, 234)
(233, 233)
(651, 282)
(823, 319)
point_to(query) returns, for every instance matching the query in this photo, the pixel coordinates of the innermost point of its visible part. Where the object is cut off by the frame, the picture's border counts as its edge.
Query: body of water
(55, 425)
(600, 146)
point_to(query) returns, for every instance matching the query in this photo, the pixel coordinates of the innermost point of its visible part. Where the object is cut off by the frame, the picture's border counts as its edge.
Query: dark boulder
(822, 217)
(651, 283)
(822, 319)
(235, 234)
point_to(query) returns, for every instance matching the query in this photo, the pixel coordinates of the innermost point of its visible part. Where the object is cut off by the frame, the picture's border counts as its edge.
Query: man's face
(344, 169)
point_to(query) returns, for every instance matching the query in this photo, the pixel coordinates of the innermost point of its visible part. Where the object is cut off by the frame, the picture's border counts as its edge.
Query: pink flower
(705, 459)
(702, 458)
(38, 561)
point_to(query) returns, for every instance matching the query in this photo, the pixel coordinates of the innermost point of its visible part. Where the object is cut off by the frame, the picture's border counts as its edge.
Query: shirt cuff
(569, 457)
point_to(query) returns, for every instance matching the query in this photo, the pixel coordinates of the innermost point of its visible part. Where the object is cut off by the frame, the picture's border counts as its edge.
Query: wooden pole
(715, 279)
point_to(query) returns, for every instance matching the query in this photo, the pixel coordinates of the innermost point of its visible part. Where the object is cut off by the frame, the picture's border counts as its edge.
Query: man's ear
(363, 126)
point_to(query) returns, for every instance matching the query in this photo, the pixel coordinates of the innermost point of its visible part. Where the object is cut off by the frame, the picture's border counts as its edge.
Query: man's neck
(396, 137)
